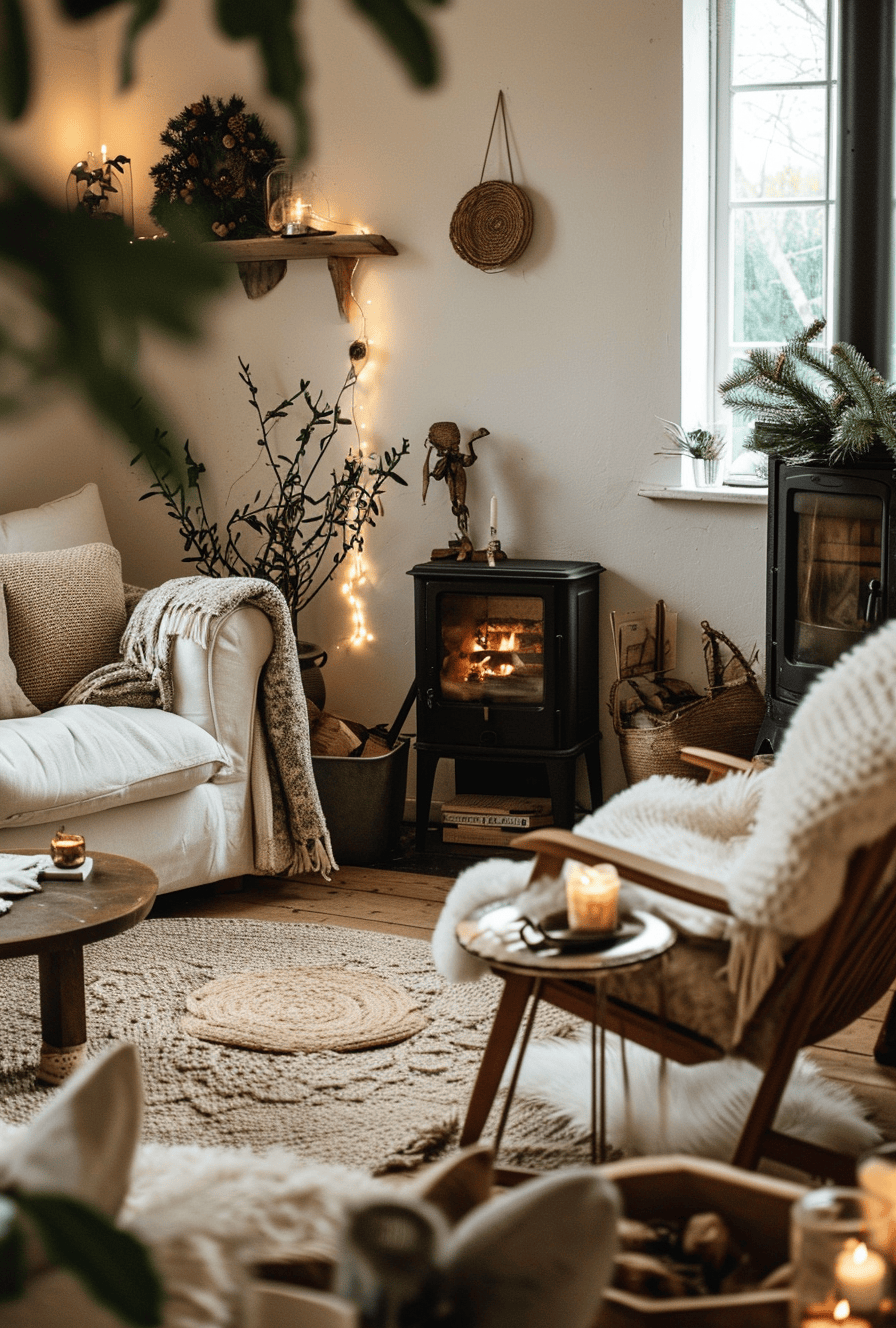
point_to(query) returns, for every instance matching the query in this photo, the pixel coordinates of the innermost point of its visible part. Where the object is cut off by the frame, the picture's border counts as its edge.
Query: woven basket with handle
(727, 719)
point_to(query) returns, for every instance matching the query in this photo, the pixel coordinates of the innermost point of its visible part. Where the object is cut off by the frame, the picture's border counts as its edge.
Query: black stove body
(507, 671)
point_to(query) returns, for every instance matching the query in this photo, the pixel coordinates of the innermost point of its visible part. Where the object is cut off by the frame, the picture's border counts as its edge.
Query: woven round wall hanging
(492, 223)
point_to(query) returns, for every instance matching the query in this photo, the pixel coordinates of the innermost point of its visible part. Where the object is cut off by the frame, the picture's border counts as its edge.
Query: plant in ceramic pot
(812, 404)
(306, 517)
(704, 446)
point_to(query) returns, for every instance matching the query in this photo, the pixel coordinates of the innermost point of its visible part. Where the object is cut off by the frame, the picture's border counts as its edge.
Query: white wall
(567, 357)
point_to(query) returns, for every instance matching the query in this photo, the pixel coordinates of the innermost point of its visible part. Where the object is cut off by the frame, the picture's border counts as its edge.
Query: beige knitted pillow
(66, 616)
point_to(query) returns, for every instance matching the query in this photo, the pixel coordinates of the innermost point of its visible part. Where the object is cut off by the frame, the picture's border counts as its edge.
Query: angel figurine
(452, 466)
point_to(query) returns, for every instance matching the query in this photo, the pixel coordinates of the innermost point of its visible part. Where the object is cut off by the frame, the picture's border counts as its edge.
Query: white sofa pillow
(63, 523)
(82, 759)
(14, 704)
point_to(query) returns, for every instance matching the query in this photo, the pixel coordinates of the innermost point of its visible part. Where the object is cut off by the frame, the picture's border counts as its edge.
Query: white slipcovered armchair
(170, 789)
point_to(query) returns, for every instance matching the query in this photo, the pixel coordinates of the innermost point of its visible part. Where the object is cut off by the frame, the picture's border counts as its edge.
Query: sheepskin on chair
(778, 843)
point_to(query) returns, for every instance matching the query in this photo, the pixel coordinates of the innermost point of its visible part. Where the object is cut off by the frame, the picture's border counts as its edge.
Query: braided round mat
(492, 224)
(302, 1009)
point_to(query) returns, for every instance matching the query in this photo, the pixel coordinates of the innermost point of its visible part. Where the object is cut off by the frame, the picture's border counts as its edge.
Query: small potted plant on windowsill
(704, 446)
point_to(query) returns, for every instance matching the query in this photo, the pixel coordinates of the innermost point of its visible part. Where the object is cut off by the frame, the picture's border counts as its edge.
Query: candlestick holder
(840, 1277)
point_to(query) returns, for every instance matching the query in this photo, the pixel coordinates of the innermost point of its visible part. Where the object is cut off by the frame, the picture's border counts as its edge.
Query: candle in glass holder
(67, 849)
(592, 897)
(841, 1317)
(862, 1276)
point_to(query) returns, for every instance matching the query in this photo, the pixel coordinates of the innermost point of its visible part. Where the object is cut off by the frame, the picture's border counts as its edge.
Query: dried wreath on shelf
(220, 154)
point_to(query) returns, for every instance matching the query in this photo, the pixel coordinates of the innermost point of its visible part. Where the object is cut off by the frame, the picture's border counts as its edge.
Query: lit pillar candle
(493, 515)
(861, 1276)
(592, 897)
(841, 1317)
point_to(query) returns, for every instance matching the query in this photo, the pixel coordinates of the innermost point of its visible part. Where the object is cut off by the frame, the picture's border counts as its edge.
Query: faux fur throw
(297, 838)
(778, 843)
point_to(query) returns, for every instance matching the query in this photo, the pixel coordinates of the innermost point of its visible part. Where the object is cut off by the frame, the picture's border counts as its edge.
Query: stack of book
(492, 818)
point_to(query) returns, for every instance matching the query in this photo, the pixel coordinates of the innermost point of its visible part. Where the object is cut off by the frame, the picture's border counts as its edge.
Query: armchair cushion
(82, 759)
(66, 615)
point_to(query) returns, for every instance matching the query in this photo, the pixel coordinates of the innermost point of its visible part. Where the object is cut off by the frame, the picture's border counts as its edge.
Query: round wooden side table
(503, 936)
(55, 924)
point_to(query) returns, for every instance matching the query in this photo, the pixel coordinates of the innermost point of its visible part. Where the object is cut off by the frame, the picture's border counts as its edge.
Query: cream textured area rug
(358, 1108)
(362, 1108)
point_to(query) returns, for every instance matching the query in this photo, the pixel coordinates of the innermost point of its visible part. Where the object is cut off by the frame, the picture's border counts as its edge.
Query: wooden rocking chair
(829, 979)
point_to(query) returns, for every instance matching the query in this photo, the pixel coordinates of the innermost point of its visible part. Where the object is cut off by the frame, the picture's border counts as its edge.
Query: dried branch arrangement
(292, 533)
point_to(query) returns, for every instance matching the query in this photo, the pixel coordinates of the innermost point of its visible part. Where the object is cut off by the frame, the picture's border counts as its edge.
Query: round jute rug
(302, 1009)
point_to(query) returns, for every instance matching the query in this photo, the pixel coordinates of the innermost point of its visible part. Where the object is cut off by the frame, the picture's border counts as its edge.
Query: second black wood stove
(507, 670)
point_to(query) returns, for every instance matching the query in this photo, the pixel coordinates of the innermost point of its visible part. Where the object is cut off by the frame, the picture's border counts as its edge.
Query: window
(762, 74)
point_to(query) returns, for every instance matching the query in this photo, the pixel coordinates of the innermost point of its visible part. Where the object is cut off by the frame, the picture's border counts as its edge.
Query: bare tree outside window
(775, 186)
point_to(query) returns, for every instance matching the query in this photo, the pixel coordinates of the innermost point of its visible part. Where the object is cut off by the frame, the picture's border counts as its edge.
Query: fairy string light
(355, 568)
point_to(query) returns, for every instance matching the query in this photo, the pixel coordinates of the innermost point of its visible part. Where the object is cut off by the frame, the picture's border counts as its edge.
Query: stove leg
(427, 763)
(885, 1047)
(562, 783)
(592, 765)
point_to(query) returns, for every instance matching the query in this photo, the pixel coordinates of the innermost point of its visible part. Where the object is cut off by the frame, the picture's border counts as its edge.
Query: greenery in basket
(298, 532)
(700, 444)
(828, 406)
(213, 173)
(114, 1267)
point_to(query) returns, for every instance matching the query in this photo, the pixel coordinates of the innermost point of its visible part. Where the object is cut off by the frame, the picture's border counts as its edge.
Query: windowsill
(721, 494)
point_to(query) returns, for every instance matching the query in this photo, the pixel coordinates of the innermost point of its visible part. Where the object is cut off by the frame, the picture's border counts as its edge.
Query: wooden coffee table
(56, 924)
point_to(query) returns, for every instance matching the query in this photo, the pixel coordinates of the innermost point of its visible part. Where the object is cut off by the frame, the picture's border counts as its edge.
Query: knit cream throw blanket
(296, 838)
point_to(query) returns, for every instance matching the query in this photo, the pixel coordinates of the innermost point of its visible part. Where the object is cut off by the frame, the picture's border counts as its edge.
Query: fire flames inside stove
(492, 648)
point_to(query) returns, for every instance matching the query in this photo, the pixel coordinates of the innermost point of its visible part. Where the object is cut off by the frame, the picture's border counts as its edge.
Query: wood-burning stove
(831, 573)
(507, 660)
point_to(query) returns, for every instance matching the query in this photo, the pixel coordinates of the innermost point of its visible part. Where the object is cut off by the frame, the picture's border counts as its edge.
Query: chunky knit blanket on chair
(778, 843)
(293, 837)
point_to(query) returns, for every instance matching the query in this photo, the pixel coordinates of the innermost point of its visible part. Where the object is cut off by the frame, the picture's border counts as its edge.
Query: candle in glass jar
(67, 849)
(592, 897)
(861, 1276)
(841, 1318)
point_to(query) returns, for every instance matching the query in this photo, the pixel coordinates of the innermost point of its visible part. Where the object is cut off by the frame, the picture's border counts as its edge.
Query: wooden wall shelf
(262, 262)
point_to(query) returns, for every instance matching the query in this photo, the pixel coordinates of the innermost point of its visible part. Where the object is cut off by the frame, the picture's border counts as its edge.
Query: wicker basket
(492, 225)
(726, 719)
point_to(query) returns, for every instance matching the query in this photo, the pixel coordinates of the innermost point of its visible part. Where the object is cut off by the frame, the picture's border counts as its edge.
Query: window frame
(708, 210)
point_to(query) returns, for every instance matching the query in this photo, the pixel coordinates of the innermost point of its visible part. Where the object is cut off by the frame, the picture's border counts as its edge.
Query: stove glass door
(837, 591)
(492, 649)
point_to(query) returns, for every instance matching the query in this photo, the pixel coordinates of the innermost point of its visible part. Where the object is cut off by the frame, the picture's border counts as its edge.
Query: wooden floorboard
(408, 904)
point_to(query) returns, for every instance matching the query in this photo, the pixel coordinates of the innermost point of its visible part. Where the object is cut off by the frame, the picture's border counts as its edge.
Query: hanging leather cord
(498, 107)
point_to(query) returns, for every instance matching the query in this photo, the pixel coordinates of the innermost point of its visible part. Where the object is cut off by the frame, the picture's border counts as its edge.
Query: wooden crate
(757, 1211)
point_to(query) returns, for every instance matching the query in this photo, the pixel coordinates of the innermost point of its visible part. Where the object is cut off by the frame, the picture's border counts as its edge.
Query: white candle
(493, 515)
(103, 150)
(861, 1276)
(592, 897)
(841, 1318)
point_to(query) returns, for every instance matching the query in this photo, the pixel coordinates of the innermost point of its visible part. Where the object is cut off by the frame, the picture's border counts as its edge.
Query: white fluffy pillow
(77, 518)
(14, 704)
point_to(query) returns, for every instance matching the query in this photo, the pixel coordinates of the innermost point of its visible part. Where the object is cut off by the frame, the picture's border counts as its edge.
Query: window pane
(778, 41)
(778, 271)
(778, 144)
